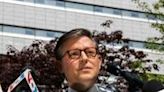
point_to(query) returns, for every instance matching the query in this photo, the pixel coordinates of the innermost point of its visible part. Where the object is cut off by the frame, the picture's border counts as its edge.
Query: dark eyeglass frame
(86, 51)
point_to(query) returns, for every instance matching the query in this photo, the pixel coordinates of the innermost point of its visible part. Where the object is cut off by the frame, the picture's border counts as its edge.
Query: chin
(87, 77)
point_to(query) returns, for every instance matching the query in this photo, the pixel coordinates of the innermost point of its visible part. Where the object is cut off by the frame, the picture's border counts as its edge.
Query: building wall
(126, 4)
(18, 43)
(63, 19)
(38, 16)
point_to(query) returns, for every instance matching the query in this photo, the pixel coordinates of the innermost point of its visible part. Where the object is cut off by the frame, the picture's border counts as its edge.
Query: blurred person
(80, 60)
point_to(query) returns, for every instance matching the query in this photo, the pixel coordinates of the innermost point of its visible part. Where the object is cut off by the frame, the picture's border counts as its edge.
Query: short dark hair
(78, 32)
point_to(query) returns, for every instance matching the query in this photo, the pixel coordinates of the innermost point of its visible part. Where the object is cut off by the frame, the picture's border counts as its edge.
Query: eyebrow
(81, 49)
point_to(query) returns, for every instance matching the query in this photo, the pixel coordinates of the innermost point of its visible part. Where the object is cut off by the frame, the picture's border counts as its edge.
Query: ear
(58, 65)
(100, 57)
(61, 67)
(100, 61)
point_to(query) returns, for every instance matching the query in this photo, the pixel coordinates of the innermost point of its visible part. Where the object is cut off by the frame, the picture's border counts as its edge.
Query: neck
(90, 89)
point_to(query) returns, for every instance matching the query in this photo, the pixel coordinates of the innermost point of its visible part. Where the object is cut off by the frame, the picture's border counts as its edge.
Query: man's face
(83, 70)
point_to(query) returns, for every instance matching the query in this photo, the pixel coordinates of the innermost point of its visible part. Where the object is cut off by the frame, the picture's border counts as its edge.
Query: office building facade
(23, 21)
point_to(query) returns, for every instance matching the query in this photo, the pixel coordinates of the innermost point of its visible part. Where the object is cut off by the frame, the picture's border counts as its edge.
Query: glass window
(50, 2)
(142, 15)
(29, 31)
(126, 13)
(47, 33)
(58, 34)
(136, 44)
(117, 12)
(7, 28)
(1, 28)
(60, 3)
(151, 16)
(18, 30)
(39, 1)
(54, 34)
(19, 0)
(50, 34)
(70, 5)
(108, 10)
(29, 1)
(41, 33)
(134, 14)
(79, 6)
(98, 9)
(14, 30)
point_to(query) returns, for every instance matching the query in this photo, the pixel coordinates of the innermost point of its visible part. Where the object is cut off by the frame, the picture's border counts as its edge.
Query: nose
(83, 55)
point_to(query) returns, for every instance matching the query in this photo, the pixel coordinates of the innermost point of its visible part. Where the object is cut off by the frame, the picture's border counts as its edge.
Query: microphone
(133, 79)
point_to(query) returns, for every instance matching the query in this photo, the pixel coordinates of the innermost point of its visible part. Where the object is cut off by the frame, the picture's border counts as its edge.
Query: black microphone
(133, 79)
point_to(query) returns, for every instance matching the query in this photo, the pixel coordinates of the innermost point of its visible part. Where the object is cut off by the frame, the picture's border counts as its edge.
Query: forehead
(79, 43)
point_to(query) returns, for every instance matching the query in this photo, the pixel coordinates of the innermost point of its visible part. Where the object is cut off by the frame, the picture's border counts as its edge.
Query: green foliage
(149, 76)
(136, 64)
(160, 61)
(155, 9)
(153, 45)
(143, 5)
(159, 27)
(146, 76)
(159, 5)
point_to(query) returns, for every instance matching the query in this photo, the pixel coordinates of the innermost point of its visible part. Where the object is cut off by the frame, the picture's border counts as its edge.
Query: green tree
(155, 10)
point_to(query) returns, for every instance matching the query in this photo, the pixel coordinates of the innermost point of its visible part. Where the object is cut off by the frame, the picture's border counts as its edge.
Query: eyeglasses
(76, 53)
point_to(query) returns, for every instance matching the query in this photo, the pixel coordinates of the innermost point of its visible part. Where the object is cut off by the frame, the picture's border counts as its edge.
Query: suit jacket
(94, 88)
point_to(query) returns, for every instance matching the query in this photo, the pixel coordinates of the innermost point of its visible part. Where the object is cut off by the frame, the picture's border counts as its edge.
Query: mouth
(85, 68)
